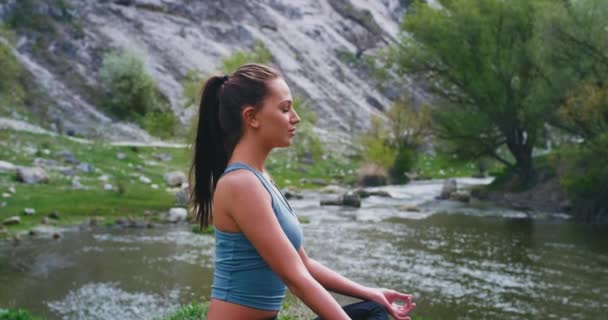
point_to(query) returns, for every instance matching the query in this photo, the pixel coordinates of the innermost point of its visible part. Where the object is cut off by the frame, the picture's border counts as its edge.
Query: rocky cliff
(61, 43)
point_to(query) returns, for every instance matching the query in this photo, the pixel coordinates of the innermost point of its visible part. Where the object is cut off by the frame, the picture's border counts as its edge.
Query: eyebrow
(288, 102)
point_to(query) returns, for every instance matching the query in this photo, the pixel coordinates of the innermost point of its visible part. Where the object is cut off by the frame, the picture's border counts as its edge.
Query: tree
(477, 57)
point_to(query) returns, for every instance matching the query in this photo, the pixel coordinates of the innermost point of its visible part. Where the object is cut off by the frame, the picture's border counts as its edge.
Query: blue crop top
(241, 276)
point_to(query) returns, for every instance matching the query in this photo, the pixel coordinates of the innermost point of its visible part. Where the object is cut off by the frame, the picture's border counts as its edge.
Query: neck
(249, 152)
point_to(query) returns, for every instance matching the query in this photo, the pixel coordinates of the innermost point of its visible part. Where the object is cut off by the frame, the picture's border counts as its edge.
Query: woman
(259, 248)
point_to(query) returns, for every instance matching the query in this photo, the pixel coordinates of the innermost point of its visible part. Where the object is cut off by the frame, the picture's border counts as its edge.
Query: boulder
(11, 220)
(176, 215)
(54, 215)
(175, 178)
(108, 187)
(460, 196)
(163, 157)
(370, 175)
(449, 186)
(378, 193)
(29, 211)
(7, 166)
(67, 157)
(347, 199)
(32, 175)
(144, 179)
(290, 194)
(182, 197)
(85, 167)
(121, 156)
(410, 208)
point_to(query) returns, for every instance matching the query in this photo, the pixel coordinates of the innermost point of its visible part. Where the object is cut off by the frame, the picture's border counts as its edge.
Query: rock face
(315, 43)
(32, 175)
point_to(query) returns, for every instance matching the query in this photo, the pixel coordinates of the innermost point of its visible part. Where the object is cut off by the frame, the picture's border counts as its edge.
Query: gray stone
(316, 181)
(449, 186)
(29, 211)
(182, 197)
(67, 157)
(32, 175)
(378, 193)
(176, 215)
(290, 194)
(108, 187)
(163, 156)
(175, 178)
(144, 179)
(11, 220)
(54, 215)
(85, 167)
(347, 199)
(47, 232)
(7, 166)
(460, 196)
(121, 156)
(12, 190)
(6, 195)
(42, 162)
(76, 183)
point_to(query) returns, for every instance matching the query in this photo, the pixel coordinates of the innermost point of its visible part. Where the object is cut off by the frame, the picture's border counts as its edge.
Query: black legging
(364, 310)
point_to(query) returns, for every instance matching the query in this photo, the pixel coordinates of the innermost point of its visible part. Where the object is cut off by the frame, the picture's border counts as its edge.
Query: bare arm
(337, 283)
(249, 204)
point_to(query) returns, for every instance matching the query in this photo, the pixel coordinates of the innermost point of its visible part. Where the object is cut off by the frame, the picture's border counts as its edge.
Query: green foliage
(306, 142)
(160, 124)
(11, 88)
(130, 92)
(403, 163)
(394, 144)
(258, 54)
(17, 314)
(192, 311)
(585, 180)
(477, 57)
(376, 147)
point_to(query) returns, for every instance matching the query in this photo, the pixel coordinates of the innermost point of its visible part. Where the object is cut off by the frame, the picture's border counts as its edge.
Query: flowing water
(460, 261)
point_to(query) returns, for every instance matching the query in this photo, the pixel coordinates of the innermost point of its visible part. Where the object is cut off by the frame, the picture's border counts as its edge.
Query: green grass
(441, 166)
(76, 205)
(17, 314)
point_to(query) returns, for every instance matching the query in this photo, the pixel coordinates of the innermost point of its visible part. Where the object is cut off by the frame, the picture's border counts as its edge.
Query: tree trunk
(521, 148)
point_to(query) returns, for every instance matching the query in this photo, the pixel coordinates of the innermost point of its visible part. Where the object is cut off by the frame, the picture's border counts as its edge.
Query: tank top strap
(237, 165)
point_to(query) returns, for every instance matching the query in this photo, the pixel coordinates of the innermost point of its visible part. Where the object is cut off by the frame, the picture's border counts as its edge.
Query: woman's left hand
(386, 297)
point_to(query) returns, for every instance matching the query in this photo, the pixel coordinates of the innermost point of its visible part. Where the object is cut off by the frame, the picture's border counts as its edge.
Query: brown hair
(220, 126)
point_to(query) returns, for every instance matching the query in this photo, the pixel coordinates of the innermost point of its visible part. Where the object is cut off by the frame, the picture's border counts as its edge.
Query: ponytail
(220, 128)
(210, 156)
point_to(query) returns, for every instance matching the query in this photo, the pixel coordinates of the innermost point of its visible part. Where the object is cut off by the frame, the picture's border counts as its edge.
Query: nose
(295, 119)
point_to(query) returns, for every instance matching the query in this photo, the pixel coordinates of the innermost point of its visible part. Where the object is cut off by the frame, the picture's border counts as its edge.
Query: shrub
(160, 124)
(258, 54)
(129, 92)
(17, 314)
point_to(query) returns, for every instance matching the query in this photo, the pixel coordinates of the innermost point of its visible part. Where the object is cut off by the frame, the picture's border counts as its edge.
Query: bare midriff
(221, 310)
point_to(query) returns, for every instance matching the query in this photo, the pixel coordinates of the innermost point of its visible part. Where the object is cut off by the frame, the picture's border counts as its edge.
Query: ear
(249, 117)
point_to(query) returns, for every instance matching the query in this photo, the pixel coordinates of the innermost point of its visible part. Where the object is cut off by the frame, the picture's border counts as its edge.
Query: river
(460, 261)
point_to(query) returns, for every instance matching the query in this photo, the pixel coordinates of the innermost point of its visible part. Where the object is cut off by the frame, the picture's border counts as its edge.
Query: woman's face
(277, 118)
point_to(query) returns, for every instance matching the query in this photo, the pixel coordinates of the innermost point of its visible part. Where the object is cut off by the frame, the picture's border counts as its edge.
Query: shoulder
(240, 185)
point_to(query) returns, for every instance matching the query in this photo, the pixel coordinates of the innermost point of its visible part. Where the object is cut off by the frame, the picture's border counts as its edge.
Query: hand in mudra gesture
(387, 297)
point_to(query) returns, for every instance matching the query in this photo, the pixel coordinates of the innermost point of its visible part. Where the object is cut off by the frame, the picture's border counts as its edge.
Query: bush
(11, 89)
(404, 162)
(129, 92)
(259, 54)
(160, 124)
(306, 142)
(17, 314)
(586, 180)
